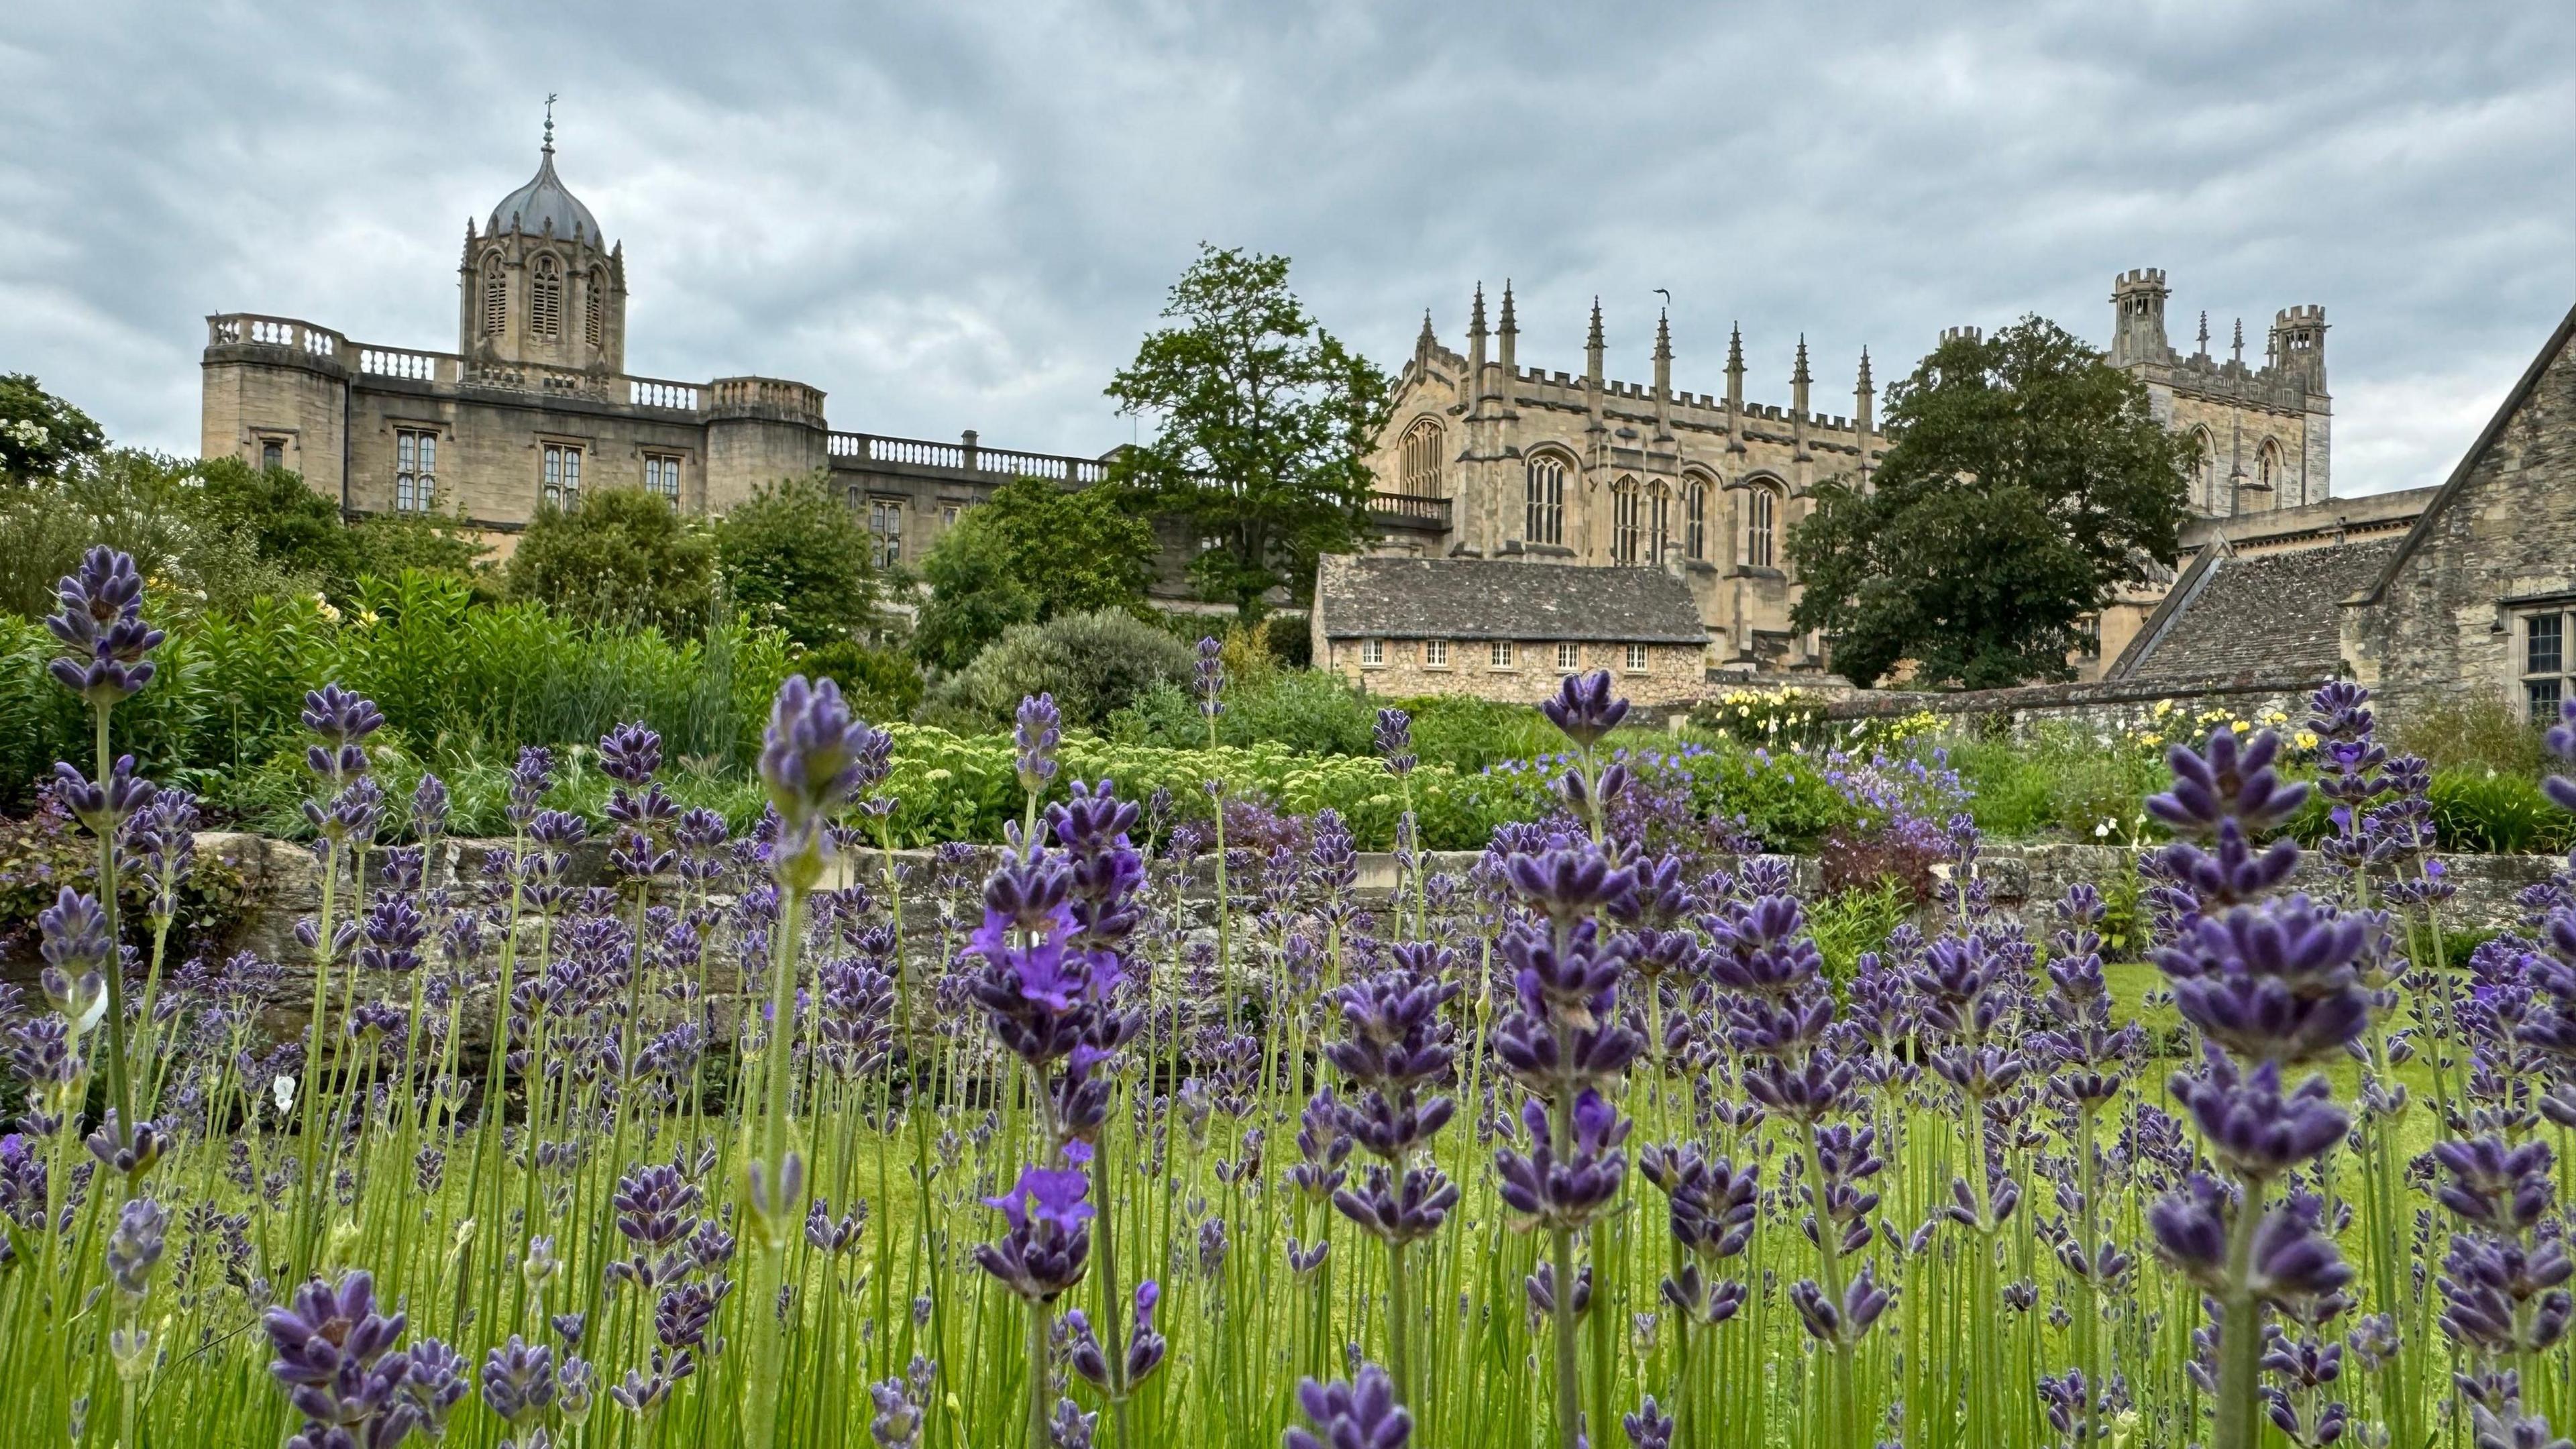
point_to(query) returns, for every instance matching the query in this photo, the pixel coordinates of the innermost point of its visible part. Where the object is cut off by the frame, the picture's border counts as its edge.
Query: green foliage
(620, 556)
(796, 556)
(1095, 664)
(2470, 729)
(2028, 480)
(146, 505)
(289, 526)
(1264, 424)
(429, 543)
(1317, 713)
(881, 684)
(47, 851)
(1467, 734)
(1845, 924)
(41, 435)
(1032, 551)
(2483, 809)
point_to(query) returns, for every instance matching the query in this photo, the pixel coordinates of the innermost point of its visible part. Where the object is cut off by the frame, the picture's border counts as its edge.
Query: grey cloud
(963, 216)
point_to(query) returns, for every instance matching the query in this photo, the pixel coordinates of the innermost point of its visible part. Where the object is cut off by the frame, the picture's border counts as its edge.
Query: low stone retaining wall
(2105, 704)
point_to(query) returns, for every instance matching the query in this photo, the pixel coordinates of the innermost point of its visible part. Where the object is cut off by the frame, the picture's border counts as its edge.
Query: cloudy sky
(964, 215)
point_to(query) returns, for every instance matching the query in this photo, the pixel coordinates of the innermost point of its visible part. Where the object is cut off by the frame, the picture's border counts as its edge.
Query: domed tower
(541, 285)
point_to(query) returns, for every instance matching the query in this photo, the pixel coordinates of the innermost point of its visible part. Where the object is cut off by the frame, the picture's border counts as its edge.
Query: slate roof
(545, 201)
(1470, 598)
(2255, 614)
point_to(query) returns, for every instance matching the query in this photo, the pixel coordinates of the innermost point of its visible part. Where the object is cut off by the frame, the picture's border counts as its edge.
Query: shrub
(619, 556)
(1318, 713)
(881, 684)
(796, 556)
(2484, 809)
(47, 851)
(1095, 664)
(1032, 551)
(1468, 734)
(2479, 729)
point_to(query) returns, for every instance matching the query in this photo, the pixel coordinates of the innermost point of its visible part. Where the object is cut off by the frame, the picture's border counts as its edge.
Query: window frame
(1435, 653)
(545, 297)
(1627, 522)
(496, 295)
(1372, 654)
(1500, 656)
(415, 470)
(2543, 676)
(272, 453)
(1543, 500)
(1695, 520)
(1569, 658)
(1762, 527)
(667, 485)
(559, 475)
(1638, 659)
(594, 308)
(1419, 459)
(885, 526)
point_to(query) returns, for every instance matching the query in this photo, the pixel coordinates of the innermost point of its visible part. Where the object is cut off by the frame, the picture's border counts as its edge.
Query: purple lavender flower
(1565, 1184)
(1037, 733)
(1393, 738)
(336, 1357)
(1048, 1242)
(1585, 708)
(101, 627)
(436, 1384)
(1846, 1322)
(1145, 1348)
(142, 1228)
(1208, 682)
(897, 1422)
(341, 720)
(1649, 1427)
(631, 754)
(518, 1379)
(429, 806)
(103, 806)
(531, 777)
(1362, 1414)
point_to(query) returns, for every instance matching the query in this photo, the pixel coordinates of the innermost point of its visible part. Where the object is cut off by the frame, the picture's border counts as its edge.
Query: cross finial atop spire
(550, 123)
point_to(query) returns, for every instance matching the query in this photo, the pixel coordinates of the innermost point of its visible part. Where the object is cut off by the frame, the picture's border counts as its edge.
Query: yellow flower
(2307, 739)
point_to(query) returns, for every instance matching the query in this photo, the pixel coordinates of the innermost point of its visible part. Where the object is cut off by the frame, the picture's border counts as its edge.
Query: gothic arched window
(496, 296)
(1695, 519)
(1420, 460)
(1546, 507)
(2204, 471)
(2267, 465)
(1659, 524)
(545, 300)
(594, 307)
(1627, 521)
(1762, 528)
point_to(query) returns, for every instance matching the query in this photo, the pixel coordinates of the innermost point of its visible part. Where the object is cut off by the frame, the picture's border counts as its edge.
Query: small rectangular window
(415, 471)
(662, 475)
(560, 482)
(1435, 653)
(1372, 653)
(1500, 653)
(1569, 657)
(1637, 659)
(2544, 644)
(2543, 695)
(272, 453)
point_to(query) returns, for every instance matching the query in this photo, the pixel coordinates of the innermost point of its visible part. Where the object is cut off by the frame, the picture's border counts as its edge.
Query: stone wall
(1675, 674)
(2111, 704)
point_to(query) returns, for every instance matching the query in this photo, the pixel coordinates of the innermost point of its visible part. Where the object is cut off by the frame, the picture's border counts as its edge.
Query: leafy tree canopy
(290, 525)
(2027, 481)
(1264, 421)
(797, 556)
(42, 436)
(1031, 552)
(621, 556)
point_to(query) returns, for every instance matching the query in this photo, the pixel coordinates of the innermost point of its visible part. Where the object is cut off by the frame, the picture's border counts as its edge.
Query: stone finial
(1509, 326)
(2204, 331)
(1476, 319)
(1866, 387)
(1510, 334)
(1664, 336)
(2239, 346)
(1594, 340)
(1799, 377)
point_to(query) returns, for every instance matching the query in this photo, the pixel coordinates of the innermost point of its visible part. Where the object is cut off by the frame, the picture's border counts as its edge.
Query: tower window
(561, 481)
(662, 476)
(1762, 530)
(1545, 521)
(594, 307)
(415, 471)
(272, 452)
(496, 296)
(545, 299)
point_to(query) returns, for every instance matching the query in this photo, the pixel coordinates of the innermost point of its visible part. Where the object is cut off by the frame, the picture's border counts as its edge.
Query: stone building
(1485, 458)
(2480, 592)
(535, 404)
(1411, 626)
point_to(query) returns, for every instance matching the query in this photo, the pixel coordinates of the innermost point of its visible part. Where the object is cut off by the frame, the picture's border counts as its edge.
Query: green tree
(42, 436)
(288, 524)
(391, 543)
(621, 556)
(797, 556)
(2027, 481)
(1264, 421)
(1031, 552)
(1095, 664)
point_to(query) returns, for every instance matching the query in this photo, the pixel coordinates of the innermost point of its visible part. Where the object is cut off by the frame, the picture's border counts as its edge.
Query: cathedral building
(1487, 459)
(535, 405)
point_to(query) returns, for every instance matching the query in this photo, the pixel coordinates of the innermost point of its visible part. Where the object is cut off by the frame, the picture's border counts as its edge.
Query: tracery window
(2205, 471)
(1546, 520)
(594, 307)
(1420, 460)
(1762, 528)
(1695, 519)
(496, 296)
(545, 300)
(1627, 521)
(1659, 528)
(2267, 465)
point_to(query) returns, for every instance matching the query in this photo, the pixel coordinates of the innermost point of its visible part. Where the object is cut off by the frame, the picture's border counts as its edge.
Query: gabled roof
(2377, 587)
(1472, 598)
(2267, 613)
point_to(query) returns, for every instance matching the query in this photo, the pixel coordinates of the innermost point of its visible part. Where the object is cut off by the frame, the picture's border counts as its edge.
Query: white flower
(282, 1087)
(2101, 830)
